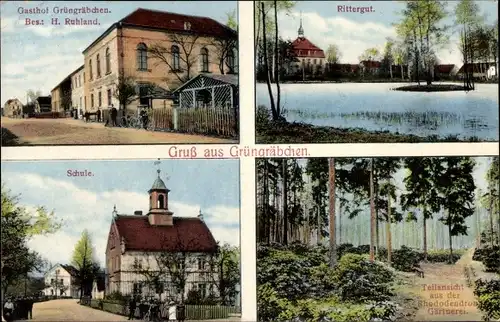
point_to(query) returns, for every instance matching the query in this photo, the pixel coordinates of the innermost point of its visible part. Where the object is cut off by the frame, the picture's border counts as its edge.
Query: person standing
(114, 114)
(99, 115)
(8, 310)
(131, 306)
(29, 314)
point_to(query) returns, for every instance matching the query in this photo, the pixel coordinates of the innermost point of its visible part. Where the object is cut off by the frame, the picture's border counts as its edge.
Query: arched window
(91, 74)
(161, 201)
(204, 59)
(230, 61)
(108, 61)
(142, 57)
(176, 64)
(98, 62)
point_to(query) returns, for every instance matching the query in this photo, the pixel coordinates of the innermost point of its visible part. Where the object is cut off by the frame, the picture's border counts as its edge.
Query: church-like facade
(149, 255)
(310, 59)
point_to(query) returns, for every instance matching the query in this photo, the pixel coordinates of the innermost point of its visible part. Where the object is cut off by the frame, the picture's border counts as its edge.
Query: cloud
(84, 209)
(352, 37)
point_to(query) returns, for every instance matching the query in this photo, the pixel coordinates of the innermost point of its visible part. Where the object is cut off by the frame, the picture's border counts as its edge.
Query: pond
(375, 107)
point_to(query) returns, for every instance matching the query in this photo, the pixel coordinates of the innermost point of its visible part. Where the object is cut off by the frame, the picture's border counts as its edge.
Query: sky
(87, 202)
(40, 57)
(354, 32)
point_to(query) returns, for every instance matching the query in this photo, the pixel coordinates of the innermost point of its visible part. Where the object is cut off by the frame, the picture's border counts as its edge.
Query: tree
(225, 273)
(225, 47)
(373, 221)
(274, 109)
(456, 188)
(490, 199)
(369, 55)
(331, 193)
(19, 225)
(333, 54)
(183, 51)
(389, 54)
(422, 190)
(66, 100)
(84, 260)
(125, 91)
(33, 95)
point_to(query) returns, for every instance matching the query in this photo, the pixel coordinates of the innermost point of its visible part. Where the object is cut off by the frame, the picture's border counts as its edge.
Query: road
(69, 131)
(70, 310)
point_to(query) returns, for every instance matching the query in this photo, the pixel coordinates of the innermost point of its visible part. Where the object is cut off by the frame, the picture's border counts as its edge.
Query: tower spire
(157, 163)
(301, 29)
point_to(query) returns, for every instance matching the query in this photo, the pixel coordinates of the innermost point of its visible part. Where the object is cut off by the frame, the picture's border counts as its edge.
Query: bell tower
(301, 29)
(158, 214)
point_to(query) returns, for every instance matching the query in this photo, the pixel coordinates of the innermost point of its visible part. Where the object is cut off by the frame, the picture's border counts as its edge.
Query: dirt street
(70, 310)
(77, 132)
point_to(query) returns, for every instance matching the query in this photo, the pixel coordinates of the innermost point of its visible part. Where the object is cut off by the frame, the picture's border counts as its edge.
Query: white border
(247, 164)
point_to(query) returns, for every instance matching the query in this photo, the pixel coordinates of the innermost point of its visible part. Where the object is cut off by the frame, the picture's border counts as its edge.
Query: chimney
(138, 213)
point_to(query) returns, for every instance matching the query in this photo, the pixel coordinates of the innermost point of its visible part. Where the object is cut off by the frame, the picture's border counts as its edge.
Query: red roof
(178, 22)
(170, 21)
(188, 234)
(444, 69)
(302, 47)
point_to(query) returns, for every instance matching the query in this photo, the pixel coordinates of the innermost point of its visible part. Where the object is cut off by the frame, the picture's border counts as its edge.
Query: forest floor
(444, 293)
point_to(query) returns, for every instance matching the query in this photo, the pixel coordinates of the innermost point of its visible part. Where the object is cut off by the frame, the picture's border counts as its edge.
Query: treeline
(362, 201)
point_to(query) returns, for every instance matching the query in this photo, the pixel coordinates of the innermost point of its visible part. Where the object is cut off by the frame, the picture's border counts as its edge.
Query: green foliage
(488, 294)
(115, 297)
(406, 259)
(442, 256)
(296, 282)
(18, 226)
(489, 256)
(359, 279)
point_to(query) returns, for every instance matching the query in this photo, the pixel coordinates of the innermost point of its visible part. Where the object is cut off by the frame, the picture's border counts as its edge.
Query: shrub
(489, 256)
(405, 259)
(488, 293)
(442, 256)
(115, 297)
(269, 304)
(359, 279)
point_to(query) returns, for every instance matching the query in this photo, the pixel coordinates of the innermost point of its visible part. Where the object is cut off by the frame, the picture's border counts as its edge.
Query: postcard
(376, 72)
(378, 239)
(119, 73)
(83, 242)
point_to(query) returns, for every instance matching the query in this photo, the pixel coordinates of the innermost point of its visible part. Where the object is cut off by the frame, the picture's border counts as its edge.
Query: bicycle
(153, 313)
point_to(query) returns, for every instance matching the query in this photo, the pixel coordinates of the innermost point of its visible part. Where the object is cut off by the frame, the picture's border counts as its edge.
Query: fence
(203, 120)
(49, 115)
(193, 312)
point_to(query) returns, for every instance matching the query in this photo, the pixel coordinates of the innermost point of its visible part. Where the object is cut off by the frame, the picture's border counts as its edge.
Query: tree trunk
(425, 237)
(266, 66)
(377, 226)
(372, 215)
(285, 200)
(492, 227)
(331, 190)
(402, 72)
(450, 259)
(318, 234)
(277, 60)
(340, 223)
(388, 230)
(390, 69)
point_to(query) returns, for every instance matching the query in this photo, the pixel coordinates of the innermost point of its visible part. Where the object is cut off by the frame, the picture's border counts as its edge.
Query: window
(230, 61)
(84, 77)
(203, 289)
(142, 57)
(176, 64)
(80, 103)
(61, 281)
(99, 99)
(91, 75)
(57, 271)
(161, 202)
(314, 62)
(98, 62)
(109, 97)
(85, 102)
(204, 59)
(51, 281)
(108, 61)
(201, 264)
(91, 100)
(79, 80)
(137, 288)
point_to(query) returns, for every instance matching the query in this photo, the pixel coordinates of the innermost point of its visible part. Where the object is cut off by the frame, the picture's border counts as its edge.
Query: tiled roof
(302, 47)
(178, 22)
(187, 234)
(70, 269)
(476, 67)
(444, 69)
